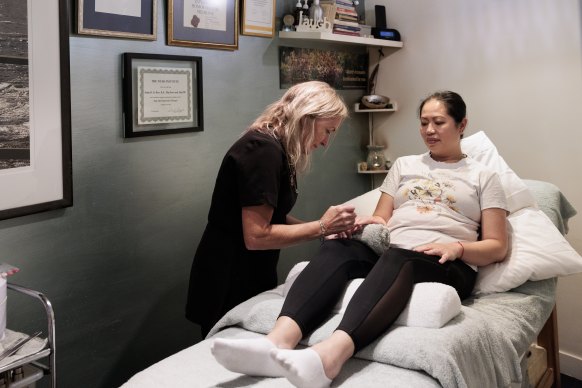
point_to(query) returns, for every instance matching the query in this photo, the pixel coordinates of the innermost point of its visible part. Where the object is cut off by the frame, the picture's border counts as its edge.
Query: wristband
(462, 250)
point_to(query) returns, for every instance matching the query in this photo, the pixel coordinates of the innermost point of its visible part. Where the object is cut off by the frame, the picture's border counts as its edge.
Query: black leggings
(383, 295)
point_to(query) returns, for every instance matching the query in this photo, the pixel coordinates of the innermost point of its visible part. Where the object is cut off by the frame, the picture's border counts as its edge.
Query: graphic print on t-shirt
(429, 192)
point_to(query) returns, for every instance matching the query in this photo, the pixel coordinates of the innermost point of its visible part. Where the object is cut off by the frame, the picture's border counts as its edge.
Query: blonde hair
(292, 118)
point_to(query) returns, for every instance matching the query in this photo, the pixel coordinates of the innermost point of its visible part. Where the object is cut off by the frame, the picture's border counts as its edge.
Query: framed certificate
(203, 23)
(258, 18)
(35, 106)
(133, 19)
(162, 94)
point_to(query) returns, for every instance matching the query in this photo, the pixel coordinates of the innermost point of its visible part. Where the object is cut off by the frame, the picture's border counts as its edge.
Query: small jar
(376, 160)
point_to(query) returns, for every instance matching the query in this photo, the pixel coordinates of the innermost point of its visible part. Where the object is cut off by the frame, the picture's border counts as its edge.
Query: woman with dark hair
(255, 190)
(446, 214)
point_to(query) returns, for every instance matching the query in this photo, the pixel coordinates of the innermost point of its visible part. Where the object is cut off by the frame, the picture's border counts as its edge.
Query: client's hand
(363, 221)
(447, 252)
(366, 220)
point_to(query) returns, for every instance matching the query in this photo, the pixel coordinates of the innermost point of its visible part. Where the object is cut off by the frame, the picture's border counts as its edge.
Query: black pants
(380, 299)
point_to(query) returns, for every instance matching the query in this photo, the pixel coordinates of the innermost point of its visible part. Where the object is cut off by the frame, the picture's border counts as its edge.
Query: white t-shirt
(436, 202)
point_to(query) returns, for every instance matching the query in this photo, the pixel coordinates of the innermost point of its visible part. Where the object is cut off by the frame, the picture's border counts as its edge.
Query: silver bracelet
(323, 231)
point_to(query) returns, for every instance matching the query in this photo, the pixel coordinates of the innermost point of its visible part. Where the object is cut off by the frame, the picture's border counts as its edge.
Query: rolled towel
(431, 305)
(376, 236)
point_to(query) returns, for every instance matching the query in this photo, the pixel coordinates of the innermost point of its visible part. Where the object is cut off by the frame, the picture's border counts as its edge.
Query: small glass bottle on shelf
(376, 160)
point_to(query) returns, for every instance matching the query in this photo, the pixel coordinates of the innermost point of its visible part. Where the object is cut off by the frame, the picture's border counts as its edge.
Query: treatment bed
(490, 343)
(505, 335)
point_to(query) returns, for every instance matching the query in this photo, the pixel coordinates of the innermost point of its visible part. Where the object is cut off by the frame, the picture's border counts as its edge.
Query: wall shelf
(329, 37)
(338, 38)
(373, 172)
(360, 108)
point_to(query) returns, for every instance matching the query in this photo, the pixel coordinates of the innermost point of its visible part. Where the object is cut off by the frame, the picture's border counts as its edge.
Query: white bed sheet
(195, 367)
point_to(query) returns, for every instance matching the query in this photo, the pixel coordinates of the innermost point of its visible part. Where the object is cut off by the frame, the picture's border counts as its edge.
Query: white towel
(376, 236)
(431, 305)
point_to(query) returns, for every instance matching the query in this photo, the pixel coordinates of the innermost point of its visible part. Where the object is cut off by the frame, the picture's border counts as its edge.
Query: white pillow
(366, 203)
(431, 305)
(480, 148)
(537, 251)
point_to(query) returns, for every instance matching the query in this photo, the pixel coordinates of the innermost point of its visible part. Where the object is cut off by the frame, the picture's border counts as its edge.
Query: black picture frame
(198, 31)
(47, 182)
(162, 94)
(115, 21)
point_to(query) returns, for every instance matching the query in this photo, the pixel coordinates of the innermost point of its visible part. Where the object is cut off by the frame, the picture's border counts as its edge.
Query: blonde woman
(255, 190)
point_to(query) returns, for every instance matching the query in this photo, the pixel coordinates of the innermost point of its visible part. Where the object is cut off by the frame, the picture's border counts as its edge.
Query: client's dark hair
(454, 103)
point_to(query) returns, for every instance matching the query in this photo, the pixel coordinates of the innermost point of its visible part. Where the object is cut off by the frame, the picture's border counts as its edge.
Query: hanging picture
(35, 110)
(162, 94)
(258, 18)
(340, 69)
(203, 23)
(133, 19)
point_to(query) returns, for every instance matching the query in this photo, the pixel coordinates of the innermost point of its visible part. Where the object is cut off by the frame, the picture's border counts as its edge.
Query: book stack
(346, 18)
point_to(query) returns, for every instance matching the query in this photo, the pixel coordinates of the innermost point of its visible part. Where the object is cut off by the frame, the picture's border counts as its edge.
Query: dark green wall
(116, 264)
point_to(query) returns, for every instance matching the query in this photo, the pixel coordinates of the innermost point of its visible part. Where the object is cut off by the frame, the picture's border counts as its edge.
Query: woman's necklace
(292, 171)
(293, 178)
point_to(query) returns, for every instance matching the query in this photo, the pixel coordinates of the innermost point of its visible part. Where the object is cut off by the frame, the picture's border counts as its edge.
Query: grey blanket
(481, 347)
(552, 202)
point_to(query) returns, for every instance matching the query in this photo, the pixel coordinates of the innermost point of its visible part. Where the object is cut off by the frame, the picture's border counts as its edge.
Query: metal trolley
(34, 369)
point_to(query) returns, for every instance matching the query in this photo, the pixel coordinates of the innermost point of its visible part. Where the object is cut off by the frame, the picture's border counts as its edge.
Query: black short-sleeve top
(255, 171)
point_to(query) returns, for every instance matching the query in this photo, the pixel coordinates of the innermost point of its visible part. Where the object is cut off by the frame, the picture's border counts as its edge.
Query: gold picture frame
(210, 24)
(258, 19)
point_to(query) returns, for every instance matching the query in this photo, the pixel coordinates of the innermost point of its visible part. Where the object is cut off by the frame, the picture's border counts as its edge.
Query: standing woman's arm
(293, 221)
(259, 234)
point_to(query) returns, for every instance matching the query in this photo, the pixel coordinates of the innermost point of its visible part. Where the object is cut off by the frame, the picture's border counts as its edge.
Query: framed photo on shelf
(258, 18)
(203, 23)
(340, 69)
(35, 101)
(133, 19)
(162, 94)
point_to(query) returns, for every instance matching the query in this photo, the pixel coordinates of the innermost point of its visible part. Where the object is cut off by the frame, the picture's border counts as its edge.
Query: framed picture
(134, 19)
(258, 18)
(340, 69)
(162, 94)
(35, 109)
(203, 23)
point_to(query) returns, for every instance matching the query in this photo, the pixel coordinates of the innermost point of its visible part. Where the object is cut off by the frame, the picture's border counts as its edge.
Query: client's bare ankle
(286, 334)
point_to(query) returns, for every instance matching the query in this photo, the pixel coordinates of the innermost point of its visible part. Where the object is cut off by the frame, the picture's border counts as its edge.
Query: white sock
(247, 356)
(303, 368)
